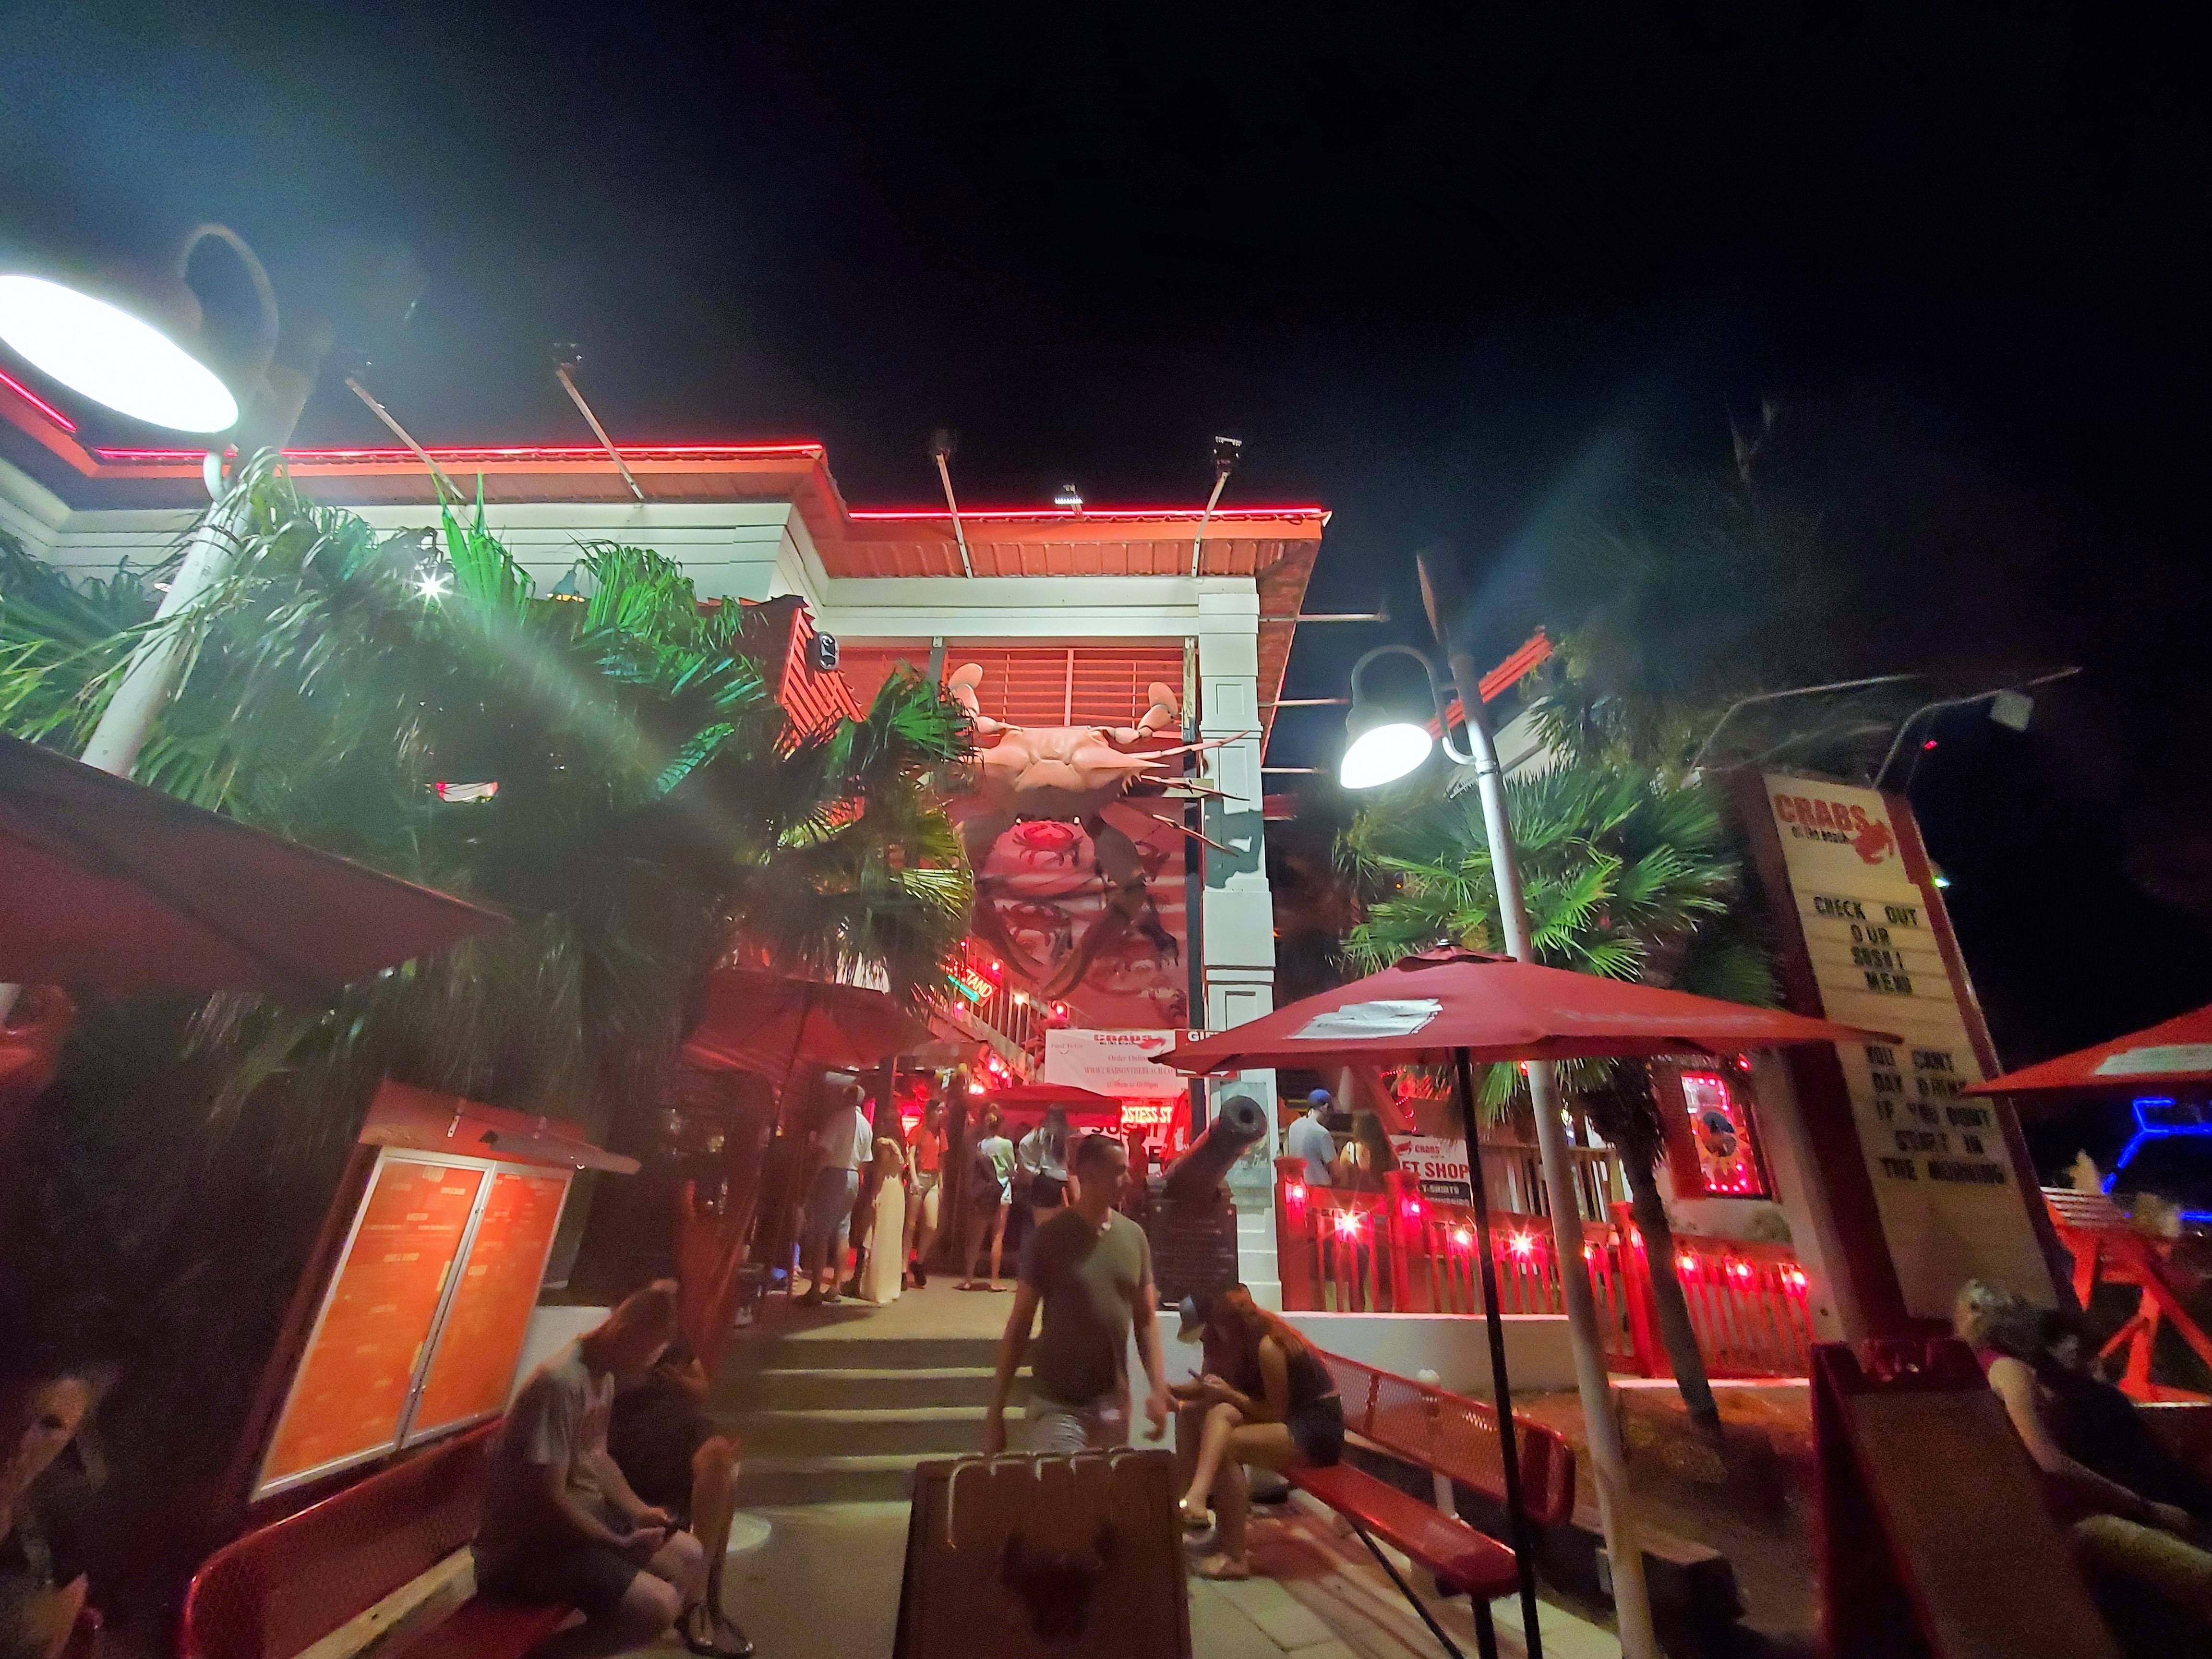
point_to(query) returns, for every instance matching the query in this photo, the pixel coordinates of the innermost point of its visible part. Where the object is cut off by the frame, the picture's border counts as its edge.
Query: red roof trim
(1052, 515)
(493, 452)
(37, 401)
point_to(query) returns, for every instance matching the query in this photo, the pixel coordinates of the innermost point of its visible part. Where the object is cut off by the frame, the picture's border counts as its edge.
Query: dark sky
(1437, 278)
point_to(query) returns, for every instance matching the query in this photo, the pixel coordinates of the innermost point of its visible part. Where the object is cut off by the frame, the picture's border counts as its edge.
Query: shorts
(924, 1196)
(594, 1577)
(830, 1209)
(1317, 1430)
(1055, 1427)
(1047, 1192)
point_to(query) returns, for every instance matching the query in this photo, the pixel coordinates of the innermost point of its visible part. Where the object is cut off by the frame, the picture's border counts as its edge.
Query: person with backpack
(990, 1197)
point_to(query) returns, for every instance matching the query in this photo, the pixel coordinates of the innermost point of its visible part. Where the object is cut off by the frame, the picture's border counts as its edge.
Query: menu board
(1950, 1198)
(350, 1395)
(481, 1339)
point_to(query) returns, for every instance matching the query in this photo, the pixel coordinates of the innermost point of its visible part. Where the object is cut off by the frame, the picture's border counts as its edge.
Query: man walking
(844, 1142)
(1309, 1138)
(1090, 1268)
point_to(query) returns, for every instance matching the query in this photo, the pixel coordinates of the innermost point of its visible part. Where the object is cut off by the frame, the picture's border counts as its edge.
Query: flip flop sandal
(1221, 1570)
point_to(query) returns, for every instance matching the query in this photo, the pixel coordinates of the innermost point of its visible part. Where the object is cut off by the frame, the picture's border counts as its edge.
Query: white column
(1237, 925)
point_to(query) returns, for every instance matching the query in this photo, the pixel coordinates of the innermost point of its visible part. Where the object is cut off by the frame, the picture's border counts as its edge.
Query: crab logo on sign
(1811, 818)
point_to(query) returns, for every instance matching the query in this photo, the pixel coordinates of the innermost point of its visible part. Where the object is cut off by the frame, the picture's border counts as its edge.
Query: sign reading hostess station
(1117, 1063)
(1951, 1202)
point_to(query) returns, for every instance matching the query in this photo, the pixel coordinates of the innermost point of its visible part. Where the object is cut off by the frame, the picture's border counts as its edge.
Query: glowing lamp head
(1382, 748)
(1347, 1224)
(1521, 1244)
(1461, 1237)
(114, 356)
(1296, 1192)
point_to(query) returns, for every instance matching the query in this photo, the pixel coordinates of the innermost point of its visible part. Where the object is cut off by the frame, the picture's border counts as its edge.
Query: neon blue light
(2191, 1126)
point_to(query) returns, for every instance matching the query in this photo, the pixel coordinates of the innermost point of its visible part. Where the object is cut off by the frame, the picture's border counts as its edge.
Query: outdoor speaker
(822, 653)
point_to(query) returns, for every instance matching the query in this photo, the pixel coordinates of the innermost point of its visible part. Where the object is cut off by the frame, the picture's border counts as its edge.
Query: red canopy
(1036, 1097)
(105, 882)
(2171, 1055)
(1423, 1008)
(762, 1022)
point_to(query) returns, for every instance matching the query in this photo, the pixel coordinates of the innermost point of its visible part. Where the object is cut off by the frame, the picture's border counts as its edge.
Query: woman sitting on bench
(1277, 1408)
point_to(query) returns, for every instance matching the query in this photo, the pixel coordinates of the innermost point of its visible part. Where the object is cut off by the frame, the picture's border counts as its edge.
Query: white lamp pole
(1383, 750)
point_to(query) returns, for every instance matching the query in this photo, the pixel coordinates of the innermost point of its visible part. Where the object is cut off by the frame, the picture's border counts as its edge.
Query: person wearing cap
(1309, 1138)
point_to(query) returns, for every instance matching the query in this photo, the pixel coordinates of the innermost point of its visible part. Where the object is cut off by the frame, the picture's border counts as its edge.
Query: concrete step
(763, 1482)
(853, 1354)
(931, 1431)
(874, 1389)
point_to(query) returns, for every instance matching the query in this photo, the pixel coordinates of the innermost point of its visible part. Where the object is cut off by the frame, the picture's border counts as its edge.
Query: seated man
(673, 1455)
(560, 1523)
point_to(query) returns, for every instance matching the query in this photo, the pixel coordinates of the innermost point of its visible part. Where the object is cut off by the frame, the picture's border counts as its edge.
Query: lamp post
(1382, 750)
(136, 341)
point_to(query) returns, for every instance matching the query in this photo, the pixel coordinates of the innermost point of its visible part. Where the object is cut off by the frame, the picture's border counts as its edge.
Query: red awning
(1037, 1097)
(1429, 1006)
(415, 1118)
(2175, 1053)
(760, 1022)
(105, 882)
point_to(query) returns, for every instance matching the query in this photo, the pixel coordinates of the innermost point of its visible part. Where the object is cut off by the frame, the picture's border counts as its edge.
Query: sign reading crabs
(1073, 832)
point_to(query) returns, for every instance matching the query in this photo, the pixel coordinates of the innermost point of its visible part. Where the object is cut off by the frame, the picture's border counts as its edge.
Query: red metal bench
(1450, 1435)
(280, 1588)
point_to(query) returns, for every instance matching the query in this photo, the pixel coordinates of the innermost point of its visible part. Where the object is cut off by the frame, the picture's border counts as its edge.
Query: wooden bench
(386, 1559)
(1450, 1435)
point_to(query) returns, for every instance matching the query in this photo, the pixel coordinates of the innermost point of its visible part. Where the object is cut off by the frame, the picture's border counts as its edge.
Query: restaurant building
(1105, 926)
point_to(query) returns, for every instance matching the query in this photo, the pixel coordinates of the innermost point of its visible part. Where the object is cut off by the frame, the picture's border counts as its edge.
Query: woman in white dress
(882, 1279)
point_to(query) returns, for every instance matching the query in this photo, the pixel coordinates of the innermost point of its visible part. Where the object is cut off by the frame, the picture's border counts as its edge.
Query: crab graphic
(1046, 783)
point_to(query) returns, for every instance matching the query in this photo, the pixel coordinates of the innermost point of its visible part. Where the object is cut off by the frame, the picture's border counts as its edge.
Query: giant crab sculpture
(1050, 782)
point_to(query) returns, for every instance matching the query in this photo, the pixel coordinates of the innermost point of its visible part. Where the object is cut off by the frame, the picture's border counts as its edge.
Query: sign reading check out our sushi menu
(1951, 1202)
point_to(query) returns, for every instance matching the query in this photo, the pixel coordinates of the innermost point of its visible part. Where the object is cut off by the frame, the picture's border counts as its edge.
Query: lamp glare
(1383, 754)
(103, 352)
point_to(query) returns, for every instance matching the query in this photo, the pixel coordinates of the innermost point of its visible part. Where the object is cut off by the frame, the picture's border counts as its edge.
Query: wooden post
(1635, 1285)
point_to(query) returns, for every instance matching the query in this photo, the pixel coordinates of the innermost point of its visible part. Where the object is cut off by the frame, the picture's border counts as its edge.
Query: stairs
(842, 1419)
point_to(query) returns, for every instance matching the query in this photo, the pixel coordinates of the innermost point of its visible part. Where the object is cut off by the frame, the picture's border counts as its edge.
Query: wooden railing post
(1635, 1286)
(1294, 1249)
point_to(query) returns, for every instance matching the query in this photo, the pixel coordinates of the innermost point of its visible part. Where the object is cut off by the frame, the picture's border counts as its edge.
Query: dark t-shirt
(1088, 1282)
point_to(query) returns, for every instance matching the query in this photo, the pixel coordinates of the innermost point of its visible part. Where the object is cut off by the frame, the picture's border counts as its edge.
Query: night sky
(1438, 281)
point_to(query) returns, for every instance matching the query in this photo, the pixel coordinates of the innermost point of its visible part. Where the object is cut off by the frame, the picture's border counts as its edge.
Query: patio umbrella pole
(1524, 1546)
(1632, 1600)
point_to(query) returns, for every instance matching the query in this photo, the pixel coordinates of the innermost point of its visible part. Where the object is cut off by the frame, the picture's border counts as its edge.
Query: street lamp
(136, 341)
(1383, 749)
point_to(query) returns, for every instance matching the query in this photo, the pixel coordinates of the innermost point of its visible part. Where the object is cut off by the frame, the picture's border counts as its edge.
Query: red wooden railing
(2107, 1249)
(1399, 1252)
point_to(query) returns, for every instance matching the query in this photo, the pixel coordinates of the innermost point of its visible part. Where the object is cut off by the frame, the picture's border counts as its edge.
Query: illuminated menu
(350, 1394)
(482, 1337)
(1951, 1203)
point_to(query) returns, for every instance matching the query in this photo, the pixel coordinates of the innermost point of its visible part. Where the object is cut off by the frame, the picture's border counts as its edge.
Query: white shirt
(848, 1140)
(1032, 1156)
(1310, 1140)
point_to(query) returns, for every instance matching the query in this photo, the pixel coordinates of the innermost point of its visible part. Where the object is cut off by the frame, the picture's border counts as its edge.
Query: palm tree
(1626, 875)
(653, 814)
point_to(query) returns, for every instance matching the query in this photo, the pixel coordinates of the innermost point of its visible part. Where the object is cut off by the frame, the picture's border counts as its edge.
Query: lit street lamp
(1382, 748)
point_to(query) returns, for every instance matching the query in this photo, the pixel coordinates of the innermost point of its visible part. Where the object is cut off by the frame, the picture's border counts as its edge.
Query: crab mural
(1066, 827)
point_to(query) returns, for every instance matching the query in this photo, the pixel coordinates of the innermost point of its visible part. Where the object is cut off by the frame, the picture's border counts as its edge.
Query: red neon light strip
(37, 402)
(1117, 513)
(516, 453)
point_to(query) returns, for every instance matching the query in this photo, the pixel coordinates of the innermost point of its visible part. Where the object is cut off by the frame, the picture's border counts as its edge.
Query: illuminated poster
(481, 1339)
(1116, 965)
(1953, 1205)
(350, 1394)
(1720, 1136)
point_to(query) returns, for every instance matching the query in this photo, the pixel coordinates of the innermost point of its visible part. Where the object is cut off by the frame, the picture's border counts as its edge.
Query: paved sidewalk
(828, 1583)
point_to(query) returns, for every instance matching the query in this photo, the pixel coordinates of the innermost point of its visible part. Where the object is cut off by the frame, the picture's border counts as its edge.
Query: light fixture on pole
(138, 341)
(1385, 745)
(1383, 751)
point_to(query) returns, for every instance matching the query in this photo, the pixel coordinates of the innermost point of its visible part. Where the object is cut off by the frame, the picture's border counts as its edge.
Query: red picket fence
(1399, 1252)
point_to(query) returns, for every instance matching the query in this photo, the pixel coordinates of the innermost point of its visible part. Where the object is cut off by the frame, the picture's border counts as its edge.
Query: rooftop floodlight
(135, 340)
(1387, 744)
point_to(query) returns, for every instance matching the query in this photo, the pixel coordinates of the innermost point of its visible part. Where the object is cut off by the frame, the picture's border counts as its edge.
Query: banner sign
(1116, 1063)
(1952, 1205)
(1437, 1166)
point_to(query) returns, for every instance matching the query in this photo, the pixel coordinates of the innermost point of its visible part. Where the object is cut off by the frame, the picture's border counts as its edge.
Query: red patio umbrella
(765, 1023)
(106, 882)
(1036, 1097)
(2173, 1054)
(1459, 1008)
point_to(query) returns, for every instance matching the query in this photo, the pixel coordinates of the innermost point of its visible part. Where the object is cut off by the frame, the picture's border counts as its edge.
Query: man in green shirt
(1091, 1269)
